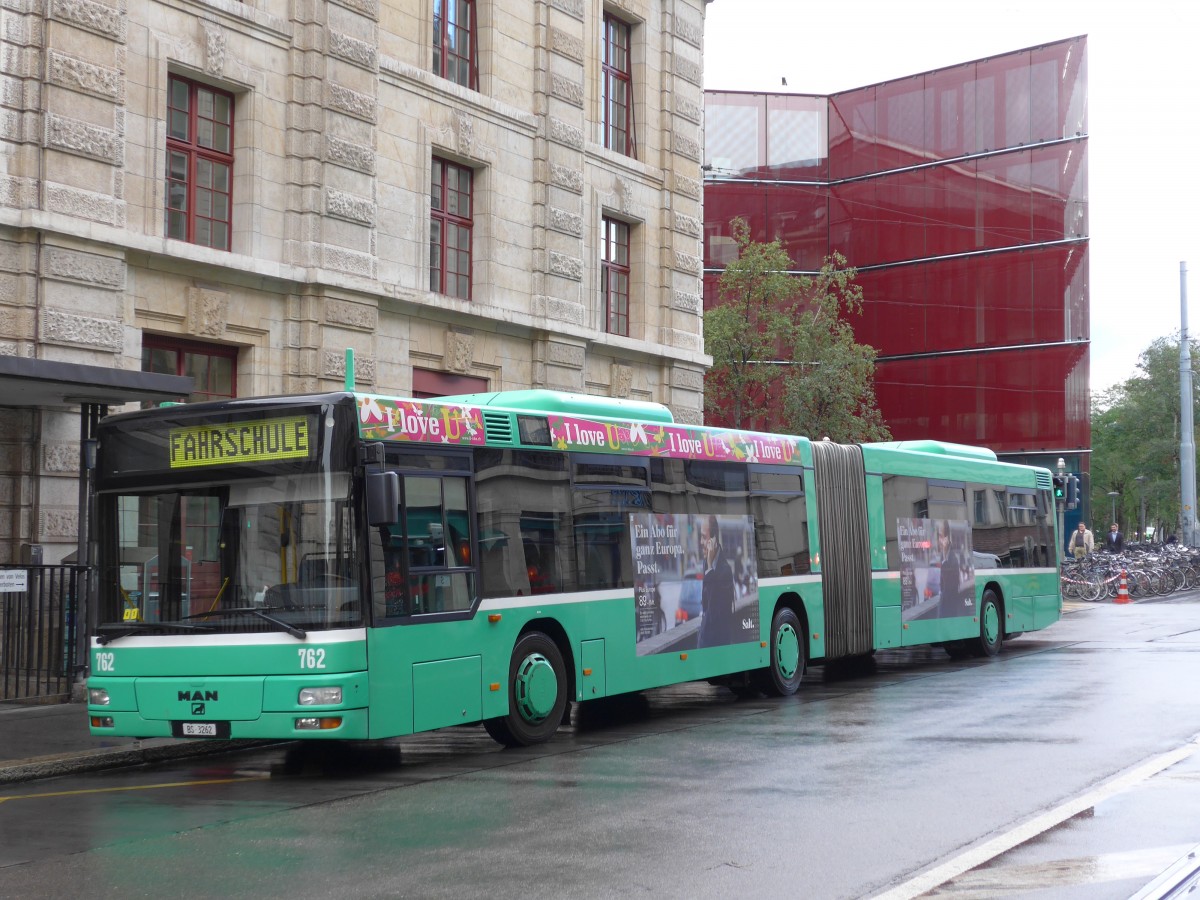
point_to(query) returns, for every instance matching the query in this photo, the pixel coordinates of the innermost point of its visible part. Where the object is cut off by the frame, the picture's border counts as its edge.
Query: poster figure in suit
(957, 573)
(718, 597)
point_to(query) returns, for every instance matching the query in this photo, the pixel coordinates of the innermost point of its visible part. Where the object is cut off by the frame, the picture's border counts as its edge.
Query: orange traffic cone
(1123, 588)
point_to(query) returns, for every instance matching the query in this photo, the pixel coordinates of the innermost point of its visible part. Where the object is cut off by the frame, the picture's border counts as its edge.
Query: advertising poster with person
(696, 577)
(937, 574)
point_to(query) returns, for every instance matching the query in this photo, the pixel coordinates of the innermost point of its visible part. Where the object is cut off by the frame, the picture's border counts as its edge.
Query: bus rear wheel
(537, 693)
(782, 677)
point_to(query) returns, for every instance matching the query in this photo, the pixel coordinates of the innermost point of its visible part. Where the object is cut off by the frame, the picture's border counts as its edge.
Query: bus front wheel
(537, 693)
(783, 675)
(991, 625)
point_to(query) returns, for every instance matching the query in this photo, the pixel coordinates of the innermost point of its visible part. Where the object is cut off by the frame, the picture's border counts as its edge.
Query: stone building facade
(338, 113)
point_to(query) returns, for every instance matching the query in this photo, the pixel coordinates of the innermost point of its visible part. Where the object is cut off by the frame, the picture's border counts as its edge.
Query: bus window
(780, 523)
(603, 551)
(522, 499)
(438, 535)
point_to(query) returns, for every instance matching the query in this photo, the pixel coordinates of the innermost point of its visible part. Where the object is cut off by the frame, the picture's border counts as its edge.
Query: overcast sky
(1143, 119)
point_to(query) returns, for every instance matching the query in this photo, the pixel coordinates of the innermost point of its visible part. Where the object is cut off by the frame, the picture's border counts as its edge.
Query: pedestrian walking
(1082, 543)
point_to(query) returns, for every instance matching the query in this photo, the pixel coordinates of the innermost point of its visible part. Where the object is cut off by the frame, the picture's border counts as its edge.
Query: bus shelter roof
(44, 382)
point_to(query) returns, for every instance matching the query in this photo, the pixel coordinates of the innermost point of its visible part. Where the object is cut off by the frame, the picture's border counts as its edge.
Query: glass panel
(203, 203)
(204, 103)
(283, 545)
(435, 192)
(220, 138)
(437, 37)
(458, 528)
(221, 373)
(204, 232)
(178, 124)
(177, 196)
(852, 141)
(621, 290)
(441, 592)
(220, 207)
(222, 109)
(177, 165)
(179, 94)
(196, 365)
(435, 255)
(220, 177)
(797, 138)
(160, 360)
(176, 225)
(204, 173)
(423, 521)
(220, 236)
(204, 132)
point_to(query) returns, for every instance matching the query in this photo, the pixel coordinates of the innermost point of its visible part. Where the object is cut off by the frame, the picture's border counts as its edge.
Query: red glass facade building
(960, 195)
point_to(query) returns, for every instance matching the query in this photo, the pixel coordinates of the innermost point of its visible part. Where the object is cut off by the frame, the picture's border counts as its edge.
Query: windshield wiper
(254, 611)
(114, 630)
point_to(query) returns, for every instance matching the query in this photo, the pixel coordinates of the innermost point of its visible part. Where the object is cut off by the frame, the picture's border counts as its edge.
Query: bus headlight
(98, 697)
(320, 696)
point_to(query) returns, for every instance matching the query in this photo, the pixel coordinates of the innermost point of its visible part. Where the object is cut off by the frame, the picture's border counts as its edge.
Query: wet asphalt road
(912, 779)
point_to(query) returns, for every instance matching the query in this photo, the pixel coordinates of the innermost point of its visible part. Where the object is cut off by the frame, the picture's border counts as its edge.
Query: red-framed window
(614, 275)
(450, 229)
(212, 367)
(454, 42)
(428, 383)
(618, 87)
(199, 163)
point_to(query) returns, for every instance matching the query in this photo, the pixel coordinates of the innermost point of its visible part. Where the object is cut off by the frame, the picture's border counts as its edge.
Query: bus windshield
(275, 552)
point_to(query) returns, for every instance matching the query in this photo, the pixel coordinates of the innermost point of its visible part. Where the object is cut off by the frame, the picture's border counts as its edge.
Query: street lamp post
(1114, 495)
(1141, 480)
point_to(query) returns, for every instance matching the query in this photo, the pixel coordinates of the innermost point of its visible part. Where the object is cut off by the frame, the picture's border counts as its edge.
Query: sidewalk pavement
(41, 741)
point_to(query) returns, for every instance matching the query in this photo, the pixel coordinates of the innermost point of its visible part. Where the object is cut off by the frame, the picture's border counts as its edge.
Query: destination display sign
(262, 440)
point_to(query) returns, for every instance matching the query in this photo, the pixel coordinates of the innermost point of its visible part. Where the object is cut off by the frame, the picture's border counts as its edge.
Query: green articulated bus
(350, 566)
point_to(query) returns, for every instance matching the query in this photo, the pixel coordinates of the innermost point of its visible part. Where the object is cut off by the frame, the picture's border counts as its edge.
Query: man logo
(197, 709)
(198, 695)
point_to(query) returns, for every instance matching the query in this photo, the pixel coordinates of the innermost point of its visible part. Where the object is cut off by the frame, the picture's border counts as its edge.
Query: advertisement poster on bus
(937, 575)
(695, 581)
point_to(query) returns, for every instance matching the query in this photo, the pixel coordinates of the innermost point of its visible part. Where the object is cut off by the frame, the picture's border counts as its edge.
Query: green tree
(784, 354)
(1135, 431)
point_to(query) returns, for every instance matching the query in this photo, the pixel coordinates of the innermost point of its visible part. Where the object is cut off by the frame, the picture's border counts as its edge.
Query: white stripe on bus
(341, 636)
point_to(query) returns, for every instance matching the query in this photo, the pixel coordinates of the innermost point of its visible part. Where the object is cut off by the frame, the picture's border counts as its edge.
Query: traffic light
(1072, 491)
(1060, 488)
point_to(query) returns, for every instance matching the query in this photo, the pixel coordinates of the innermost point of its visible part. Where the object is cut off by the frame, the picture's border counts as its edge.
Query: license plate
(200, 729)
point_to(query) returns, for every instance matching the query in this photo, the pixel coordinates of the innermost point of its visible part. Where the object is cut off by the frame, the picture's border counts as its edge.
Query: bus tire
(537, 693)
(782, 676)
(991, 625)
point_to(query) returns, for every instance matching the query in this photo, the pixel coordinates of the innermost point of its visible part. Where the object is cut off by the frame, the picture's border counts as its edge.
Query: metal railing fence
(41, 610)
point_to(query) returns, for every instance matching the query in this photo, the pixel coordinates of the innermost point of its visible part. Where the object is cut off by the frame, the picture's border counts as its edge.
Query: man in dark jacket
(1114, 541)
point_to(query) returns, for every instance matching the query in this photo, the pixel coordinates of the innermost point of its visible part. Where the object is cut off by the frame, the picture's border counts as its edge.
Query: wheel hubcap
(787, 651)
(536, 688)
(991, 623)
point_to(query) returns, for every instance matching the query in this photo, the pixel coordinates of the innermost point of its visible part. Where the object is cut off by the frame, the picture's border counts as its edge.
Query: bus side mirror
(383, 498)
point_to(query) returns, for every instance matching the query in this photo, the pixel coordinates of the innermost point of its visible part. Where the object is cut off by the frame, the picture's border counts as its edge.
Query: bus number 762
(312, 658)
